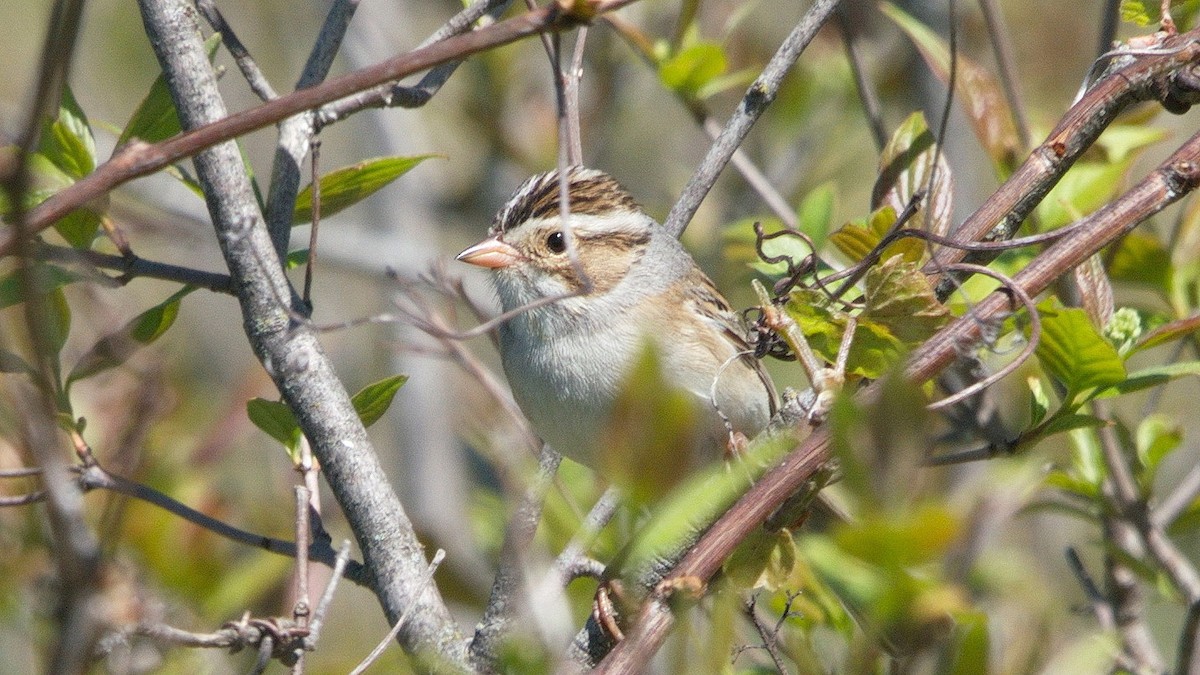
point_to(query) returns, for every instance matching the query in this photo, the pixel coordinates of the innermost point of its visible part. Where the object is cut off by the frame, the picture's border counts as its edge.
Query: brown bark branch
(1146, 78)
(138, 159)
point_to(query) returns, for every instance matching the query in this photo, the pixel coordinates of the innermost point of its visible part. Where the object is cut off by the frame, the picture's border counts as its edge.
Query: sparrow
(622, 281)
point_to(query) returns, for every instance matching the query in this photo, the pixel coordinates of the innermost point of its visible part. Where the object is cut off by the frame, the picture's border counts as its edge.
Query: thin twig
(241, 56)
(77, 554)
(1100, 605)
(1109, 20)
(387, 640)
(134, 267)
(1132, 508)
(1188, 660)
(998, 33)
(1124, 587)
(234, 635)
(95, 477)
(301, 609)
(1178, 500)
(21, 472)
(943, 125)
(602, 511)
(1138, 654)
(318, 619)
(328, 42)
(22, 500)
(415, 96)
(480, 373)
(296, 133)
(573, 77)
(315, 147)
(866, 93)
(1035, 334)
(768, 638)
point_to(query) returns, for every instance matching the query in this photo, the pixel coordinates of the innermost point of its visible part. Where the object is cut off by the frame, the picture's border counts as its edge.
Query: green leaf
(695, 504)
(277, 420)
(852, 579)
(1074, 352)
(692, 67)
(58, 320)
(857, 239)
(1169, 332)
(156, 118)
(874, 350)
(79, 227)
(1073, 484)
(1087, 458)
(764, 559)
(1070, 422)
(297, 258)
(720, 83)
(1135, 12)
(901, 539)
(114, 349)
(981, 97)
(12, 363)
(66, 145)
(906, 166)
(349, 185)
(1157, 436)
(67, 139)
(1152, 377)
(45, 179)
(1039, 401)
(652, 425)
(1085, 188)
(1141, 259)
(1143, 13)
(374, 399)
(970, 646)
(816, 212)
(47, 278)
(899, 297)
(1120, 141)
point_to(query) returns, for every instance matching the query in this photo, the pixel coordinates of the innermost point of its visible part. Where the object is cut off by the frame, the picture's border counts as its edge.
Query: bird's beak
(490, 253)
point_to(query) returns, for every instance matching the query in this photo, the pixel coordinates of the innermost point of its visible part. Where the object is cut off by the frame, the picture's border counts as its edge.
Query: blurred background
(174, 416)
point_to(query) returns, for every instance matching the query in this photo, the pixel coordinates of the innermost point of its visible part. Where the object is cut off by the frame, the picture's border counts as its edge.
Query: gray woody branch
(292, 355)
(762, 93)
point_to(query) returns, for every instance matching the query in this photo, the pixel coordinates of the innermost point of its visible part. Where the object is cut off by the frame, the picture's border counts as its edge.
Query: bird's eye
(556, 242)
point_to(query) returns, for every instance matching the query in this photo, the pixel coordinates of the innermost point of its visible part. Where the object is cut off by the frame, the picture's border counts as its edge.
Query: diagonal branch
(417, 95)
(139, 159)
(1146, 77)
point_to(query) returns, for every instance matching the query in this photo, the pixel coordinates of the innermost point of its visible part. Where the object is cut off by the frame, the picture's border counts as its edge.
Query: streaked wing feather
(709, 303)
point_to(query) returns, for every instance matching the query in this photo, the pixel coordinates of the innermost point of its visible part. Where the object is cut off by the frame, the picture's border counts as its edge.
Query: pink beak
(490, 253)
